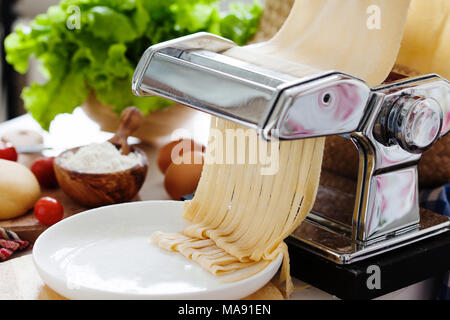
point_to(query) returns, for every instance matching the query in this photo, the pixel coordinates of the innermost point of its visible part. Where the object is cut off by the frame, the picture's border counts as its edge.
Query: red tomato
(7, 151)
(48, 211)
(44, 172)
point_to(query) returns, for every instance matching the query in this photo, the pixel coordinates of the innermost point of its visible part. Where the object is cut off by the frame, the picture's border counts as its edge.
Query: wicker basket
(340, 156)
(274, 15)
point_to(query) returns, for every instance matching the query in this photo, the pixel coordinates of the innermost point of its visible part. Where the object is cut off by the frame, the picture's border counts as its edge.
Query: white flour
(99, 158)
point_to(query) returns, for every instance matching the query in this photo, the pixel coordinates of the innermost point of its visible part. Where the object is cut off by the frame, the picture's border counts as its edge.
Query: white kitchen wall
(32, 7)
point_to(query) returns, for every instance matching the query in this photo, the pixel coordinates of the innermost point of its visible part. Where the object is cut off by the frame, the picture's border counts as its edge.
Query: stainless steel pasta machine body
(391, 126)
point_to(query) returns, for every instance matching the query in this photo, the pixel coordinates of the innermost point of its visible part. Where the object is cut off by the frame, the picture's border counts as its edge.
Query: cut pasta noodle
(252, 213)
(239, 218)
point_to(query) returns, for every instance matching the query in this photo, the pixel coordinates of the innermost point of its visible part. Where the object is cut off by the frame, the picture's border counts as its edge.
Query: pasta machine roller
(390, 125)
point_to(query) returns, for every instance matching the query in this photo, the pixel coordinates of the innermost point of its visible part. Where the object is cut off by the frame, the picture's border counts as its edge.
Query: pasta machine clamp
(390, 126)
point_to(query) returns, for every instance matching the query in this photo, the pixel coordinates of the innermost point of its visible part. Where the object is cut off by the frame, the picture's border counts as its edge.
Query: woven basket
(274, 15)
(340, 157)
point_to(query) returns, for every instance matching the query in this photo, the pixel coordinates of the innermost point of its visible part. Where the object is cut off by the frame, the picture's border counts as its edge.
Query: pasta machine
(390, 126)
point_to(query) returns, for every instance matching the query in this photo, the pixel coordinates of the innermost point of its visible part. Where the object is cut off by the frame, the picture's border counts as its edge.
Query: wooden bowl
(100, 189)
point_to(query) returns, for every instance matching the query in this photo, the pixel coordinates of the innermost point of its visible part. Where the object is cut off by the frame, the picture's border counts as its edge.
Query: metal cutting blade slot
(232, 92)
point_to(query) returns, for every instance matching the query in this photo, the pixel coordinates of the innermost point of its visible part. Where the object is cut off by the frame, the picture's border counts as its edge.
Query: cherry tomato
(48, 210)
(7, 151)
(44, 172)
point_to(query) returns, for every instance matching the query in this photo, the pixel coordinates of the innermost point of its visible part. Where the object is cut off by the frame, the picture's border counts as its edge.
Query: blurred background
(13, 12)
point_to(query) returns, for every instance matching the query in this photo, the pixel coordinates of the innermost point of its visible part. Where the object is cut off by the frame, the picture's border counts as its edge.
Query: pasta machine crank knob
(412, 122)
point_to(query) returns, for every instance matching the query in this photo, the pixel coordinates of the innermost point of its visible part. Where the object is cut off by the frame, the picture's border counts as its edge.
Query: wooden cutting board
(27, 226)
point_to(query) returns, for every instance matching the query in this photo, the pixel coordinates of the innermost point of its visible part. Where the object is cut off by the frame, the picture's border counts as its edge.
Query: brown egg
(183, 174)
(165, 154)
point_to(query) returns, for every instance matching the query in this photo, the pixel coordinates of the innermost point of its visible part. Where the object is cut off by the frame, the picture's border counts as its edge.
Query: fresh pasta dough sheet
(425, 47)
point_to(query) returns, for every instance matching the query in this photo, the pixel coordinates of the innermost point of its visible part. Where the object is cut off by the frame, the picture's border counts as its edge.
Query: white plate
(106, 253)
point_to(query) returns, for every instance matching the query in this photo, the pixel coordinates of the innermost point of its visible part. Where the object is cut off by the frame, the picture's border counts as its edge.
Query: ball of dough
(19, 189)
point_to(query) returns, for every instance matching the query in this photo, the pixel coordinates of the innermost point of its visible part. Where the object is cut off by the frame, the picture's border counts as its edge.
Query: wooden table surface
(18, 276)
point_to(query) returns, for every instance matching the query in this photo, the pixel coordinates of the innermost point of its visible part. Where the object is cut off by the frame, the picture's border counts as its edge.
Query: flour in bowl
(99, 158)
